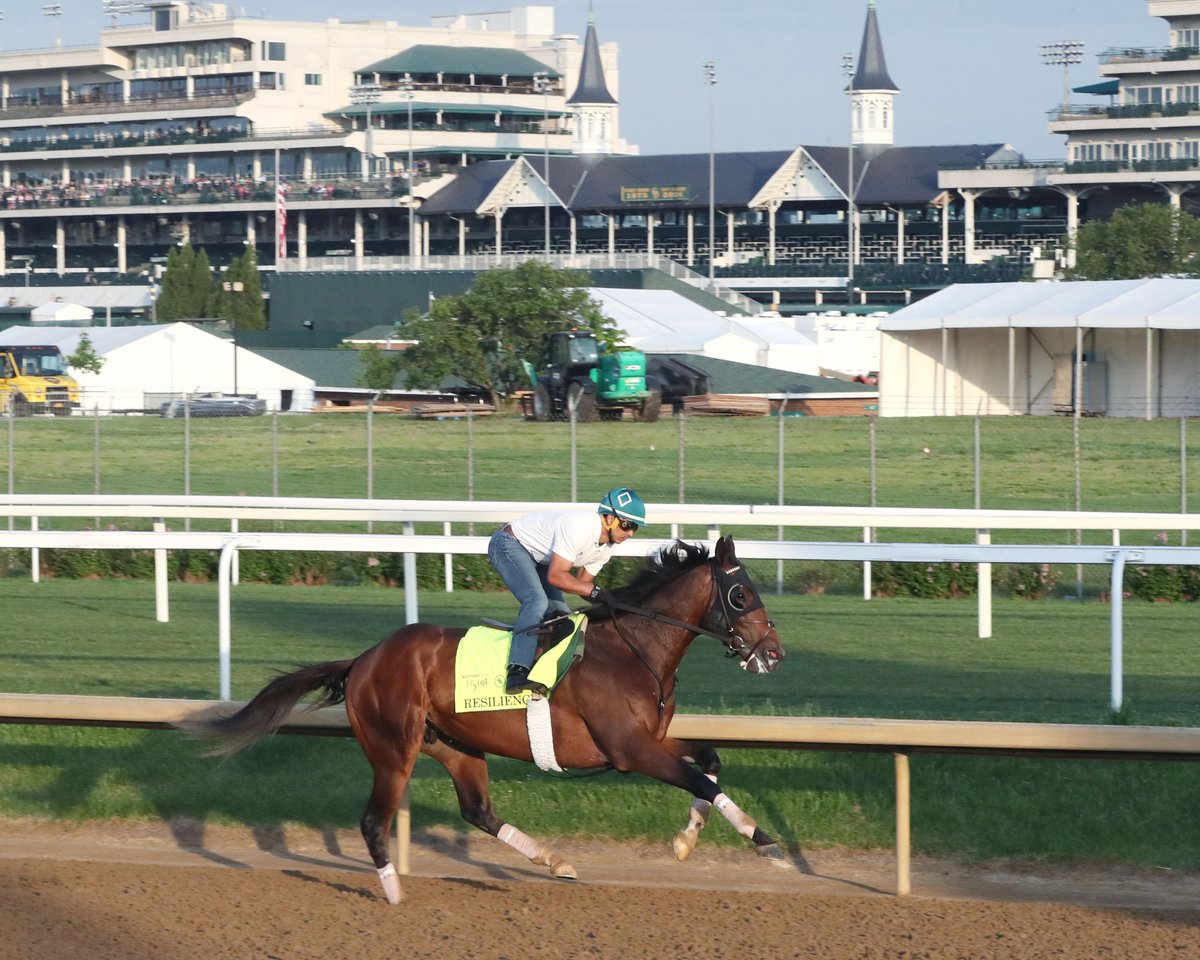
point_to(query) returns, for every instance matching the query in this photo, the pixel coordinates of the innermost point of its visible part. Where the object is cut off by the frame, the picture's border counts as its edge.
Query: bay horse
(612, 709)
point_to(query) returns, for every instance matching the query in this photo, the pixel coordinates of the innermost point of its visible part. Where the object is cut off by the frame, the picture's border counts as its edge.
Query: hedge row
(927, 580)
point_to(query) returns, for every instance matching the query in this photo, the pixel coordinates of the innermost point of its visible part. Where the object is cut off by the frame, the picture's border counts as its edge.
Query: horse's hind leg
(468, 769)
(705, 757)
(386, 796)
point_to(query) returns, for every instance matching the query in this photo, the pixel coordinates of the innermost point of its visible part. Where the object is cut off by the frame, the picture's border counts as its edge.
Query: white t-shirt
(572, 535)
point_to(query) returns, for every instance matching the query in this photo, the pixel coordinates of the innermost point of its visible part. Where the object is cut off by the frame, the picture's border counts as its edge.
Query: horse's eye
(737, 598)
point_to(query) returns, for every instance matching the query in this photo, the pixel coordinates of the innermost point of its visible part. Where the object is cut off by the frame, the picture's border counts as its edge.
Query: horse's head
(738, 615)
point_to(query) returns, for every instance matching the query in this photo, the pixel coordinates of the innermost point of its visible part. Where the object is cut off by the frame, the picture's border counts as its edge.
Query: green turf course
(1048, 661)
(1025, 462)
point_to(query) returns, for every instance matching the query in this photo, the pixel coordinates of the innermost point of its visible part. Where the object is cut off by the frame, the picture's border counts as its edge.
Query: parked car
(215, 405)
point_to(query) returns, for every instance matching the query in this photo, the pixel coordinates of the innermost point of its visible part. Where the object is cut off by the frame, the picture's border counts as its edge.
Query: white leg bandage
(698, 816)
(523, 844)
(731, 812)
(391, 883)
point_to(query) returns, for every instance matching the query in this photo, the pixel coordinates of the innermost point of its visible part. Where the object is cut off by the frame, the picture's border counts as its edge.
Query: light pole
(234, 287)
(409, 93)
(541, 84)
(848, 70)
(710, 78)
(28, 269)
(54, 10)
(367, 94)
(1063, 53)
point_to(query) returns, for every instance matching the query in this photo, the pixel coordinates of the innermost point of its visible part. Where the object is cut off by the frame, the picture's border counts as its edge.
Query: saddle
(482, 657)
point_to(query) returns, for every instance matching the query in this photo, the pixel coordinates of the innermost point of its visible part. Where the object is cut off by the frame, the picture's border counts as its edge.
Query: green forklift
(592, 385)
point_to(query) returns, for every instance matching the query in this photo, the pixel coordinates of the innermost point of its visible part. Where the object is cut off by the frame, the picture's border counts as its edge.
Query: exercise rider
(541, 556)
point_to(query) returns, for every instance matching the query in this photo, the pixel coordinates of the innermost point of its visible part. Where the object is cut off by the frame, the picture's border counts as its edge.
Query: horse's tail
(264, 714)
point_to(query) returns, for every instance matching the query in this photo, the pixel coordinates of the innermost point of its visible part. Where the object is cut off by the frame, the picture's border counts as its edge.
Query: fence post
(410, 579)
(903, 827)
(35, 556)
(161, 612)
(779, 535)
(985, 589)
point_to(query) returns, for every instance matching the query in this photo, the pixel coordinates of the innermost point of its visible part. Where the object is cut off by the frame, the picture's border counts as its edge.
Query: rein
(728, 584)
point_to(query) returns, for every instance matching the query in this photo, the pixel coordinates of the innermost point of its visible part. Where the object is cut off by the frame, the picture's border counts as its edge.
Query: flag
(281, 221)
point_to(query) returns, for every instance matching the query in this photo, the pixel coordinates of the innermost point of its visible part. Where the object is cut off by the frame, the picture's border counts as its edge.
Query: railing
(226, 101)
(868, 519)
(480, 262)
(1146, 54)
(1125, 111)
(901, 738)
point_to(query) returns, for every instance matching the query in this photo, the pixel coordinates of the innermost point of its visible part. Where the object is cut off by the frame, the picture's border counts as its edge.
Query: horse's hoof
(683, 846)
(562, 870)
(771, 852)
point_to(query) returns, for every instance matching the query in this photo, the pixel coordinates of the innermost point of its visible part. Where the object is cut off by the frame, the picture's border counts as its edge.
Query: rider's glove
(600, 595)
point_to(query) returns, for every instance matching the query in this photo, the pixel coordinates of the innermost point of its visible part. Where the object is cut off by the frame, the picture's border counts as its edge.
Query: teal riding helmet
(624, 503)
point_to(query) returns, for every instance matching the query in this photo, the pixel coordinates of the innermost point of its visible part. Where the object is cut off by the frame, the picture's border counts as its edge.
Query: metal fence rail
(901, 738)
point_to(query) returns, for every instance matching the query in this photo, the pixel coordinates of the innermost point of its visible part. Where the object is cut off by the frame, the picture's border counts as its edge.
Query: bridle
(734, 597)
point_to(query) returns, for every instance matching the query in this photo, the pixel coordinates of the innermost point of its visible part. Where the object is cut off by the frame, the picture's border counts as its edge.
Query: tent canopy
(1157, 303)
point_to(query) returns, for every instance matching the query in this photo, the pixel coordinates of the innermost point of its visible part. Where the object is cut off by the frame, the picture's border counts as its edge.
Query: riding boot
(518, 681)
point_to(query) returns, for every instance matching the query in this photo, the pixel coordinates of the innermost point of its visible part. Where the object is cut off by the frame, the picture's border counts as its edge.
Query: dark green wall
(340, 304)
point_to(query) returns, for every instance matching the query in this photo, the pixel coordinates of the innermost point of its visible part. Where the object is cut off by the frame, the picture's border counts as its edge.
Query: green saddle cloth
(481, 663)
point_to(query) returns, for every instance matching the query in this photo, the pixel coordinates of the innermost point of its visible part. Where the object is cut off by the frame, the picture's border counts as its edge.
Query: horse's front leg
(704, 757)
(656, 759)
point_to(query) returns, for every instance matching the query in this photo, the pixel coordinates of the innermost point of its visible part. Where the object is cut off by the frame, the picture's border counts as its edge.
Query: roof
(1108, 88)
(481, 61)
(1155, 303)
(910, 174)
(425, 106)
(729, 376)
(118, 296)
(104, 339)
(872, 72)
(592, 87)
(334, 368)
(899, 175)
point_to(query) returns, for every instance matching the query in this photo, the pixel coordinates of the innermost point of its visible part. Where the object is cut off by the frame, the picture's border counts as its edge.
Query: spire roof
(872, 73)
(592, 88)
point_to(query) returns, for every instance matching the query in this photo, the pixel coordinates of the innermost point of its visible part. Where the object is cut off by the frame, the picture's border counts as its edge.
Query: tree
(483, 335)
(187, 285)
(1139, 240)
(379, 370)
(85, 357)
(241, 306)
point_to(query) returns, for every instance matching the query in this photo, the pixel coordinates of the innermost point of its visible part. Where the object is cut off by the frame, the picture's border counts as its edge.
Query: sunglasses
(627, 525)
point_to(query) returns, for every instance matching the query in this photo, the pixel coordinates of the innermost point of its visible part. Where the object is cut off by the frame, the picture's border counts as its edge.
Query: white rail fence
(901, 738)
(713, 517)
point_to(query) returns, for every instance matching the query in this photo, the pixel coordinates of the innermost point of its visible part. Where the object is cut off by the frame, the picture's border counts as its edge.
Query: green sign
(649, 194)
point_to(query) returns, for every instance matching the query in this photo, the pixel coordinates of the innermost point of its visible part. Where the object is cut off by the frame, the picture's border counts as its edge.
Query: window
(274, 50)
(312, 79)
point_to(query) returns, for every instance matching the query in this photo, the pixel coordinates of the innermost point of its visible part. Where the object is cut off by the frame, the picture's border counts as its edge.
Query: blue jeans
(526, 578)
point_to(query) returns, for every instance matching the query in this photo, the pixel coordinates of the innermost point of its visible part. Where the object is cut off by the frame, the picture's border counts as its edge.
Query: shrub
(814, 577)
(1162, 584)
(935, 581)
(1027, 581)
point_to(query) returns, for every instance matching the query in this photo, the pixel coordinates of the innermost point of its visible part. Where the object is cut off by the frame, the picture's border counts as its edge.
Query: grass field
(1048, 661)
(1024, 462)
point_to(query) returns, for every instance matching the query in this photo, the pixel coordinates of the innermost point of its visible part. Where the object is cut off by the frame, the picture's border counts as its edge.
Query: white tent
(59, 312)
(1122, 348)
(149, 364)
(662, 321)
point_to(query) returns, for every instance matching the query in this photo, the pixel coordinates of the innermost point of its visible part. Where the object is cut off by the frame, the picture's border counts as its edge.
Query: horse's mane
(661, 567)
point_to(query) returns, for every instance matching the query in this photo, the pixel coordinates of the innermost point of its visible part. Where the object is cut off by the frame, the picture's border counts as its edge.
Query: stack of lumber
(726, 405)
(439, 411)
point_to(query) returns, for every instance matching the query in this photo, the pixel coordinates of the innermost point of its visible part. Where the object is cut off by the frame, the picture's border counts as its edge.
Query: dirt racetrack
(184, 892)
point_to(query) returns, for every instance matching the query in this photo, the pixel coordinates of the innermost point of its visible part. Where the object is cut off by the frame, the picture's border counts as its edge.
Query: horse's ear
(725, 553)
